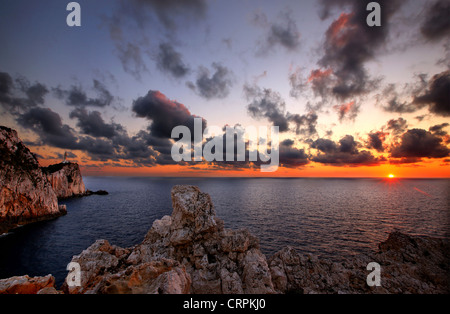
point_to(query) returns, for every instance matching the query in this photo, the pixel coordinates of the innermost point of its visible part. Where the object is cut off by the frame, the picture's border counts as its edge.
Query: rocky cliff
(25, 193)
(65, 179)
(191, 252)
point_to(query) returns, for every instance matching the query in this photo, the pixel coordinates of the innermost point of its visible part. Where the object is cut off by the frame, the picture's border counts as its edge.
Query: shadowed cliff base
(191, 252)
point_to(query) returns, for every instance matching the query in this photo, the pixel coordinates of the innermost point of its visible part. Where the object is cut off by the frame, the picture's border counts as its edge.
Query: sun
(391, 176)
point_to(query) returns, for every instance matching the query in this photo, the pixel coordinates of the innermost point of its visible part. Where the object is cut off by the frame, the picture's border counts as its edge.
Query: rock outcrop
(189, 251)
(25, 193)
(28, 285)
(408, 264)
(65, 179)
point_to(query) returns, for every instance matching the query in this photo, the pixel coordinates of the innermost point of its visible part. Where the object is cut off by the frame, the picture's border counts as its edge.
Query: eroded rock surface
(25, 193)
(189, 251)
(65, 179)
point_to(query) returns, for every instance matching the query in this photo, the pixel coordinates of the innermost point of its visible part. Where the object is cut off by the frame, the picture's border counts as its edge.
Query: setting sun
(391, 176)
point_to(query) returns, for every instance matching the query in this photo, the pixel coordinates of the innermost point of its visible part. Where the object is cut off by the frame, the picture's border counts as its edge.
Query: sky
(349, 100)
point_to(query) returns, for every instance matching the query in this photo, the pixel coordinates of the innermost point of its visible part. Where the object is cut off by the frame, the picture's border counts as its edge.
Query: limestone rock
(409, 264)
(25, 193)
(27, 285)
(189, 251)
(65, 179)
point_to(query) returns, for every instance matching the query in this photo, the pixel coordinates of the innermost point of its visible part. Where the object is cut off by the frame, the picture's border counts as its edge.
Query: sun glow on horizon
(391, 176)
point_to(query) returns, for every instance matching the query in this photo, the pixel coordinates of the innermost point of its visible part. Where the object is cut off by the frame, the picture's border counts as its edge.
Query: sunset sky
(349, 100)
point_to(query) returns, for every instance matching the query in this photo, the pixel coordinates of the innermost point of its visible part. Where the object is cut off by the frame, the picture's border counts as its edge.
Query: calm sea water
(332, 218)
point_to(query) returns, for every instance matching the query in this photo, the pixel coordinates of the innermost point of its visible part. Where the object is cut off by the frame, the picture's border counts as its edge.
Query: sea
(333, 218)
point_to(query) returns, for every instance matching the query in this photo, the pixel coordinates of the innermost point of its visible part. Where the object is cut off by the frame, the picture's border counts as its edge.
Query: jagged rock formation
(189, 251)
(65, 179)
(25, 193)
(409, 264)
(28, 285)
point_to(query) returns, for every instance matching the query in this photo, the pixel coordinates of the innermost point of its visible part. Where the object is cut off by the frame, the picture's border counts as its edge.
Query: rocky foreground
(191, 252)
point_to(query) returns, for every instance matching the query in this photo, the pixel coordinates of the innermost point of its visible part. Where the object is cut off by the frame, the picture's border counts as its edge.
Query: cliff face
(25, 193)
(65, 179)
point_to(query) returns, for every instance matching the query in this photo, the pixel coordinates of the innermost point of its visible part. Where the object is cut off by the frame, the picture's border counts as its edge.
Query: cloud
(344, 153)
(376, 140)
(35, 93)
(76, 96)
(131, 57)
(348, 111)
(419, 143)
(212, 86)
(266, 103)
(436, 24)
(291, 157)
(349, 44)
(92, 123)
(438, 129)
(397, 126)
(283, 33)
(170, 61)
(48, 125)
(297, 82)
(19, 95)
(437, 95)
(139, 18)
(165, 114)
(304, 124)
(167, 11)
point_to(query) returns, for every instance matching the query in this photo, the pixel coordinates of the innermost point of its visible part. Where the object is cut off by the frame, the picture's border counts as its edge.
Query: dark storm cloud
(170, 61)
(76, 96)
(436, 24)
(343, 153)
(350, 43)
(437, 95)
(266, 103)
(164, 113)
(420, 143)
(216, 85)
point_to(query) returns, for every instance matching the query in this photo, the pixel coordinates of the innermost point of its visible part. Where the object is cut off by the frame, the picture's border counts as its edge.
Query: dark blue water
(332, 218)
